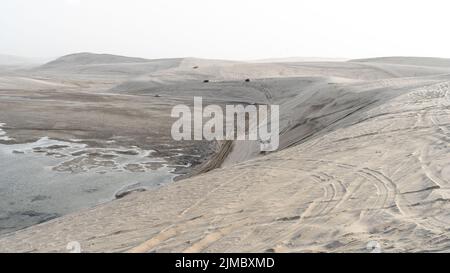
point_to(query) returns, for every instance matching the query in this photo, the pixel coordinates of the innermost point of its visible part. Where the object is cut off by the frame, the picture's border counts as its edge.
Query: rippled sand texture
(366, 153)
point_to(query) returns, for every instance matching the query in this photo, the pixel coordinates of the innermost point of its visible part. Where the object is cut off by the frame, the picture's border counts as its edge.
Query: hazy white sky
(229, 29)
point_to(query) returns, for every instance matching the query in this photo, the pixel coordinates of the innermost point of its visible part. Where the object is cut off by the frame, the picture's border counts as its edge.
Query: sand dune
(299, 59)
(104, 64)
(364, 157)
(91, 58)
(416, 61)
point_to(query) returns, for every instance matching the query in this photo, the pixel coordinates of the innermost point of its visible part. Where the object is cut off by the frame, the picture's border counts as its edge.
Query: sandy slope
(415, 61)
(365, 157)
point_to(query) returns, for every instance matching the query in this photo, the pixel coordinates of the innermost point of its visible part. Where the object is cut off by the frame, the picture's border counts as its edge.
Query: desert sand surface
(364, 155)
